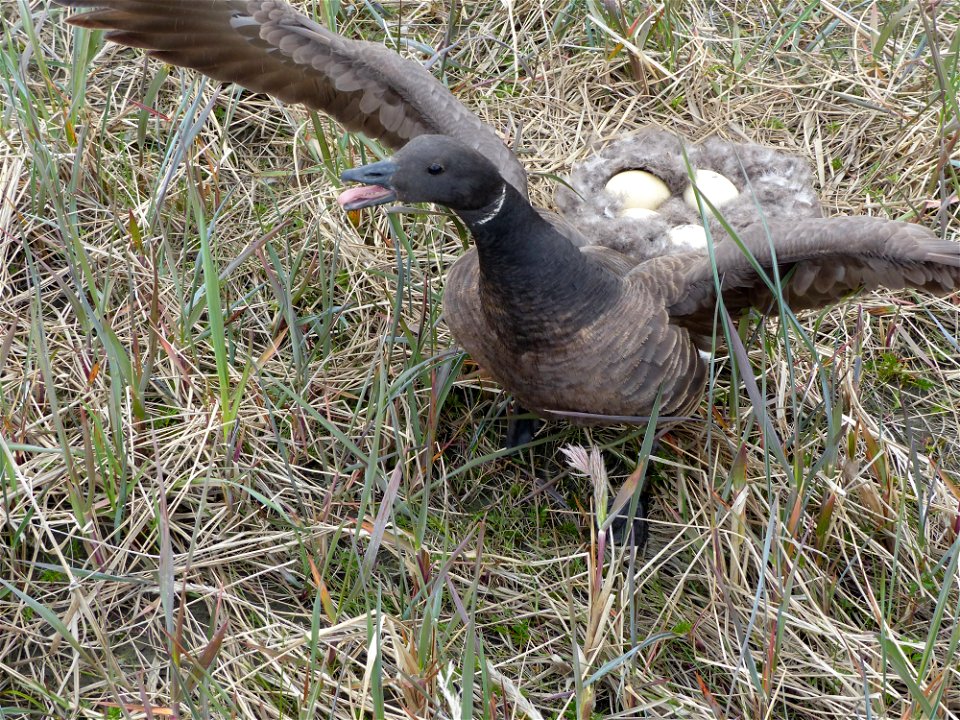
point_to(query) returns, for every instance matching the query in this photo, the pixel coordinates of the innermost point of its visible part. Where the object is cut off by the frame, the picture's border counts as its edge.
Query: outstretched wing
(819, 261)
(267, 46)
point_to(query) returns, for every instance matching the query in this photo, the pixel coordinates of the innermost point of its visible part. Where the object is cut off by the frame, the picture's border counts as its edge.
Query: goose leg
(633, 530)
(520, 431)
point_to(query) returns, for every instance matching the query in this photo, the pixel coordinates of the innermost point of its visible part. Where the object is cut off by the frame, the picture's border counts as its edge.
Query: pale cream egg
(638, 189)
(636, 213)
(688, 237)
(714, 187)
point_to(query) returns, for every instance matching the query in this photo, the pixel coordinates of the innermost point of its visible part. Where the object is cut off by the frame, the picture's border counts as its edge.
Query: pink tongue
(365, 192)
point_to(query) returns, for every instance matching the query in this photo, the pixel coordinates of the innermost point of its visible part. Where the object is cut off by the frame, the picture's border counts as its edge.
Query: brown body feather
(613, 364)
(566, 326)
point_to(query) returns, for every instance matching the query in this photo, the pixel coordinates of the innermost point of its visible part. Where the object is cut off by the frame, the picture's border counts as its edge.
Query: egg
(635, 213)
(714, 187)
(688, 237)
(638, 189)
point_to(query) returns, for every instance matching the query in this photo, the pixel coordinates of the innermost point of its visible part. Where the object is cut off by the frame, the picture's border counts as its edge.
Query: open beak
(376, 177)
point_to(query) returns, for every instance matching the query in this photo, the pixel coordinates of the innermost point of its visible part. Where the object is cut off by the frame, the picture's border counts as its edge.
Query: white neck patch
(495, 207)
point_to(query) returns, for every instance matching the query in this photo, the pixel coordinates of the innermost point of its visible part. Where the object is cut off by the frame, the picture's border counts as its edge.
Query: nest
(773, 186)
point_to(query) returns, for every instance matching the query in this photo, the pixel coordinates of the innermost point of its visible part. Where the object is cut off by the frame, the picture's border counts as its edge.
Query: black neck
(536, 285)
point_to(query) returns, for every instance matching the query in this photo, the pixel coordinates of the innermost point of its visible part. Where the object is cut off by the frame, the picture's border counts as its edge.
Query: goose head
(429, 168)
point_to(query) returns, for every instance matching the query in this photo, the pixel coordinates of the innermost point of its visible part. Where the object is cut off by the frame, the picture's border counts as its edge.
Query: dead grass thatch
(245, 474)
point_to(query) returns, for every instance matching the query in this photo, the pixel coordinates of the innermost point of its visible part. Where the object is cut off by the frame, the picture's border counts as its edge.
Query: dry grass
(271, 488)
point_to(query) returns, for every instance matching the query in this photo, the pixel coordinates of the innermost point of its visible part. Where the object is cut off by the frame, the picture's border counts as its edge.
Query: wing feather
(267, 46)
(819, 261)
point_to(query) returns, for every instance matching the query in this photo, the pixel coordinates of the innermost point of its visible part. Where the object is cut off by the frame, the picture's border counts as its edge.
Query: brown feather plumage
(267, 46)
(637, 337)
(647, 342)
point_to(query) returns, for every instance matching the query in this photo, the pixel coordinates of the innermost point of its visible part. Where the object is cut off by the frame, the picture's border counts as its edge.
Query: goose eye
(435, 169)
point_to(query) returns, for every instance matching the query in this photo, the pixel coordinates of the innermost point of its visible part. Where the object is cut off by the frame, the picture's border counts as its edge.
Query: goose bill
(361, 197)
(377, 177)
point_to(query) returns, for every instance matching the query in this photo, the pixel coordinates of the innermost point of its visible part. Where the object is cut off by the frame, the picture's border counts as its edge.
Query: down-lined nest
(772, 185)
